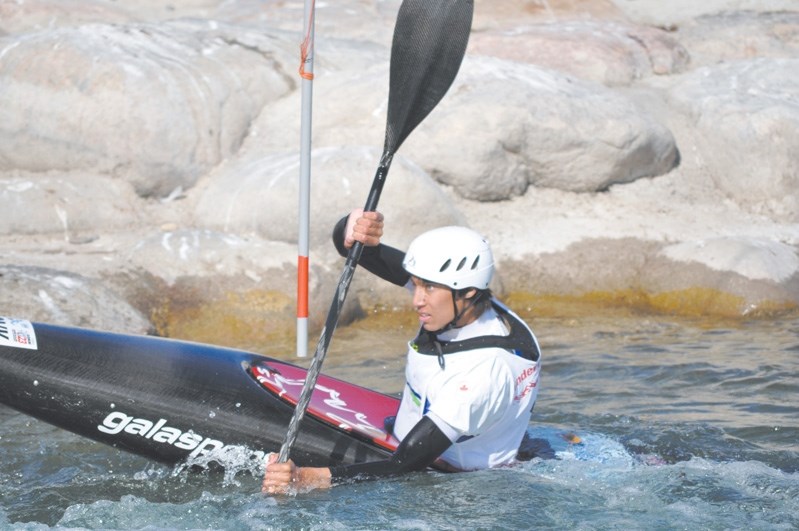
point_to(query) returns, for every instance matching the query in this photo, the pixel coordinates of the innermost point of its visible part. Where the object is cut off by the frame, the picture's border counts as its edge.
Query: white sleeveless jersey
(483, 396)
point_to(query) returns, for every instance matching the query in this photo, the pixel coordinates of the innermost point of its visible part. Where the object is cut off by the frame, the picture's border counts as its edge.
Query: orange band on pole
(306, 44)
(302, 286)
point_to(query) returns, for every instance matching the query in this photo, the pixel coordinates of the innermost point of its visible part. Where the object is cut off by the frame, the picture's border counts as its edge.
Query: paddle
(430, 38)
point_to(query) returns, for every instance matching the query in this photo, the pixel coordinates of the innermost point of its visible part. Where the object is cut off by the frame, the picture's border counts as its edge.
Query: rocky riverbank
(628, 152)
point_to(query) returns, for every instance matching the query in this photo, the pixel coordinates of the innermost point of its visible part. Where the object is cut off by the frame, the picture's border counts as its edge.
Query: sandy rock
(675, 12)
(39, 15)
(753, 258)
(78, 206)
(57, 297)
(502, 14)
(610, 53)
(349, 109)
(24, 16)
(170, 255)
(729, 277)
(747, 117)
(736, 276)
(505, 126)
(155, 105)
(261, 195)
(740, 35)
(644, 191)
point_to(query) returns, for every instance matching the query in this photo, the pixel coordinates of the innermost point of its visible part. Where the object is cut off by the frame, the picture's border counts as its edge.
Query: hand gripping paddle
(429, 42)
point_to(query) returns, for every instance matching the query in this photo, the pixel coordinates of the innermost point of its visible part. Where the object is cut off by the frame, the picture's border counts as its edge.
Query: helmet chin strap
(458, 315)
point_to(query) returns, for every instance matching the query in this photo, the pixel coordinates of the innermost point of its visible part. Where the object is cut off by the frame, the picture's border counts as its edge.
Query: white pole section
(306, 73)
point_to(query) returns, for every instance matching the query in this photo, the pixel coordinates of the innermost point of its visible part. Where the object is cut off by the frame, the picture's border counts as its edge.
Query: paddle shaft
(353, 256)
(430, 40)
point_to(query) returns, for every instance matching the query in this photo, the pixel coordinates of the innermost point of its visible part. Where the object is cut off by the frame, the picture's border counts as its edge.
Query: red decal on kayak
(345, 406)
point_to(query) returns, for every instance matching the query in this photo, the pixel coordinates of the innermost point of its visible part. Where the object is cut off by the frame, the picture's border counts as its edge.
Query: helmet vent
(461, 264)
(445, 266)
(476, 261)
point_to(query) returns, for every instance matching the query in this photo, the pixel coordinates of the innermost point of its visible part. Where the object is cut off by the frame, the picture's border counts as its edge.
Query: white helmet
(454, 256)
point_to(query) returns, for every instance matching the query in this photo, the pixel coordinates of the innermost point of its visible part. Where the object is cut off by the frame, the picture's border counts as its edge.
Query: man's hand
(365, 227)
(287, 478)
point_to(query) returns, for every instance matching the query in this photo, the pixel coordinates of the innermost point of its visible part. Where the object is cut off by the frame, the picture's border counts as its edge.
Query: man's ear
(469, 294)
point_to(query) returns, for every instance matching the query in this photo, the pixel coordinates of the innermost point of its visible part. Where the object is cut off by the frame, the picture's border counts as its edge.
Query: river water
(685, 424)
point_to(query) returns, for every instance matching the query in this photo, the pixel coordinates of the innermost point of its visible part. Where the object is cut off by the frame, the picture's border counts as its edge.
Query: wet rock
(753, 258)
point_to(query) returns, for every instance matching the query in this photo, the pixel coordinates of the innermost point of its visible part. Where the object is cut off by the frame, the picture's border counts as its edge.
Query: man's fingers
(368, 228)
(372, 215)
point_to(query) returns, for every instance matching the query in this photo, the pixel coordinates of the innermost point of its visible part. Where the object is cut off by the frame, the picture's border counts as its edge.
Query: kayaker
(471, 373)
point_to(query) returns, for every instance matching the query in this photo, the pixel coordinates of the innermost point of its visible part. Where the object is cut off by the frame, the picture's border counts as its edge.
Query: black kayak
(170, 400)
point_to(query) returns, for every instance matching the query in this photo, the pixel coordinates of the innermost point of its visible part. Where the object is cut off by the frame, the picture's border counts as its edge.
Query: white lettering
(189, 441)
(203, 448)
(158, 426)
(167, 435)
(118, 422)
(114, 423)
(139, 427)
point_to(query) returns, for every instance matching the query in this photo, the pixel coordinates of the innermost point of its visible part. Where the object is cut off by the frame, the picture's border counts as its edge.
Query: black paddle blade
(430, 39)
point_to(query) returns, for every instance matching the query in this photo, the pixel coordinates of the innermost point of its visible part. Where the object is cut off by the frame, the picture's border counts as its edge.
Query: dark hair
(481, 299)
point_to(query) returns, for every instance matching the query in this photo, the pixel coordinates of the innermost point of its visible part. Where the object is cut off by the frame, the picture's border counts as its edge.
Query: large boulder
(740, 35)
(675, 12)
(156, 105)
(39, 15)
(610, 53)
(59, 297)
(261, 196)
(506, 126)
(503, 14)
(77, 205)
(746, 119)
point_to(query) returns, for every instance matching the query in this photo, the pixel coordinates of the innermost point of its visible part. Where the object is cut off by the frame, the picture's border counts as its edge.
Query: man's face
(433, 304)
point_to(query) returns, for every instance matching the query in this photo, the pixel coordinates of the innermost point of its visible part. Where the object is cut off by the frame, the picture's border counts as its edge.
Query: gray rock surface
(149, 155)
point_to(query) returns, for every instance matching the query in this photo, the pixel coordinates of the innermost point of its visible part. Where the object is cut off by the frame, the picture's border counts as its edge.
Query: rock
(204, 254)
(502, 14)
(261, 196)
(610, 53)
(41, 15)
(148, 158)
(736, 275)
(57, 297)
(753, 258)
(505, 126)
(349, 109)
(78, 206)
(157, 106)
(747, 119)
(740, 35)
(676, 12)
